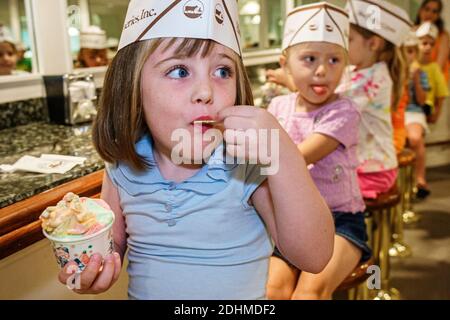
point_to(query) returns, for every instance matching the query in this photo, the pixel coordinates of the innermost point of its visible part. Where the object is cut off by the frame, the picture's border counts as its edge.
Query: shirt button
(168, 207)
(172, 186)
(171, 223)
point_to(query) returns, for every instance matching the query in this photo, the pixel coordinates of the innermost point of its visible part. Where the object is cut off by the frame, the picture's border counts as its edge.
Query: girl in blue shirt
(196, 231)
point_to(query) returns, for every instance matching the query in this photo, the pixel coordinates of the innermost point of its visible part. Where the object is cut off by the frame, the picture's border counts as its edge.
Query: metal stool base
(400, 250)
(409, 217)
(390, 294)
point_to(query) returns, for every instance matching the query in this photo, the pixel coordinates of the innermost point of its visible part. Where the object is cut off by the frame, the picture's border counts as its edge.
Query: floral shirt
(371, 90)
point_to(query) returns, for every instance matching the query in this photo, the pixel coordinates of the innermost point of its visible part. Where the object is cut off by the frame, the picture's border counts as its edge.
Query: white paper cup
(81, 250)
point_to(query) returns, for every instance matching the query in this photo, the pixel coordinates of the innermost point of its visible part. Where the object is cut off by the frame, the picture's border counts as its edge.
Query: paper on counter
(47, 163)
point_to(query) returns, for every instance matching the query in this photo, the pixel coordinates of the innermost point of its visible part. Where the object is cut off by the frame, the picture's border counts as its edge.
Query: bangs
(190, 47)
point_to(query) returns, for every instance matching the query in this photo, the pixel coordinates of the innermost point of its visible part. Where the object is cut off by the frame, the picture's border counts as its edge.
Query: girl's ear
(376, 43)
(283, 63)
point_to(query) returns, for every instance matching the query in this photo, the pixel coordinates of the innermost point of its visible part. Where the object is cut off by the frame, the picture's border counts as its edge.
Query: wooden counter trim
(19, 224)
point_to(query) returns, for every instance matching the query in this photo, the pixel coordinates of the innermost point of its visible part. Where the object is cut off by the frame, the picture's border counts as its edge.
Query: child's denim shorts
(350, 226)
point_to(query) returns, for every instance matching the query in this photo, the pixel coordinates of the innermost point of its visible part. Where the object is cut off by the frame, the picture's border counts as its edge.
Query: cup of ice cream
(77, 228)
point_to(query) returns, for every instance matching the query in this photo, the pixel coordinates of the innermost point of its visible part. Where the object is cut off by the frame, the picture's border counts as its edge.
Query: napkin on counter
(47, 163)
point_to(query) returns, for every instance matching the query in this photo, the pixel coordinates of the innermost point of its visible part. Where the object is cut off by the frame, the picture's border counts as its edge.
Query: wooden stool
(406, 160)
(355, 281)
(381, 210)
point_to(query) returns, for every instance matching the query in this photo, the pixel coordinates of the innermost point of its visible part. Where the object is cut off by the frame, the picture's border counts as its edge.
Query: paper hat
(427, 29)
(93, 38)
(320, 22)
(411, 39)
(200, 19)
(112, 42)
(381, 17)
(5, 34)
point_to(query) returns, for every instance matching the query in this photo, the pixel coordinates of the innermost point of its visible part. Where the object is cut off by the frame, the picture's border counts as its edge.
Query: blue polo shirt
(197, 239)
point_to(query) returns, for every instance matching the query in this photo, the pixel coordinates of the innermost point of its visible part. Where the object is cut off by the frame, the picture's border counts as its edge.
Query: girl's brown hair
(440, 22)
(393, 57)
(120, 121)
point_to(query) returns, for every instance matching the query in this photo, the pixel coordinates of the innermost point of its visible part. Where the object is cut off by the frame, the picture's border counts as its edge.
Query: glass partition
(261, 23)
(16, 55)
(94, 28)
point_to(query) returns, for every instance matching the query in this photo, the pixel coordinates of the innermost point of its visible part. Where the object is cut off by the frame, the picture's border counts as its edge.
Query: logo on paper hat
(217, 20)
(219, 14)
(427, 29)
(93, 38)
(320, 22)
(193, 9)
(380, 17)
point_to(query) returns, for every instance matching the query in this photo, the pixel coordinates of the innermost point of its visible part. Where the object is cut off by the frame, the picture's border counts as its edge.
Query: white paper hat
(381, 17)
(411, 39)
(93, 38)
(427, 29)
(320, 22)
(199, 19)
(5, 34)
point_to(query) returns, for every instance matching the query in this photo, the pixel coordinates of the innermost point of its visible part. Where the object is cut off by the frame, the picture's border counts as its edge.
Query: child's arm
(437, 110)
(441, 94)
(419, 91)
(317, 146)
(444, 49)
(280, 77)
(95, 280)
(297, 217)
(295, 213)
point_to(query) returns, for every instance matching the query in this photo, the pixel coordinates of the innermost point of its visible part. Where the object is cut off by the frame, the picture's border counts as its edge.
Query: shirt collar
(210, 179)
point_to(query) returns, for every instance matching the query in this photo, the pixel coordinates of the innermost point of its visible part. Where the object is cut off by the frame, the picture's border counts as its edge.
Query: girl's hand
(98, 276)
(247, 127)
(277, 76)
(280, 77)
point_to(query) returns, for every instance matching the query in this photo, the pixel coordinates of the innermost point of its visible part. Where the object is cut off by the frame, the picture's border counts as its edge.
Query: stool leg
(399, 248)
(386, 293)
(409, 216)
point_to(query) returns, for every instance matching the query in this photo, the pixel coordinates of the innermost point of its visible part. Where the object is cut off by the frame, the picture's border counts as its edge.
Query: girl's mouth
(320, 90)
(204, 122)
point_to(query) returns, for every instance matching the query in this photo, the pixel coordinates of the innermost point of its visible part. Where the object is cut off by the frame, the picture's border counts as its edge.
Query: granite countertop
(38, 138)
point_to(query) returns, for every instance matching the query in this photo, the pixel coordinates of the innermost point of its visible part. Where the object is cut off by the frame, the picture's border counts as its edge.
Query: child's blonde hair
(120, 120)
(393, 57)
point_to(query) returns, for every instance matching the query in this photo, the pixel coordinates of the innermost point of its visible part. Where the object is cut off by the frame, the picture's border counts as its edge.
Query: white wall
(32, 274)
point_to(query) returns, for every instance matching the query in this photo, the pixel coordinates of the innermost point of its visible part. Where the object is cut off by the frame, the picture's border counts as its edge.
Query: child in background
(377, 81)
(324, 126)
(427, 34)
(195, 231)
(8, 52)
(93, 48)
(415, 117)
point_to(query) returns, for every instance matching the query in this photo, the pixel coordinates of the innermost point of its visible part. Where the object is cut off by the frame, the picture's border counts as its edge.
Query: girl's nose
(321, 70)
(202, 92)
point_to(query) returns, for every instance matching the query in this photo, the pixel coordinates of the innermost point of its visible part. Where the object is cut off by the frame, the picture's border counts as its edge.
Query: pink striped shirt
(335, 175)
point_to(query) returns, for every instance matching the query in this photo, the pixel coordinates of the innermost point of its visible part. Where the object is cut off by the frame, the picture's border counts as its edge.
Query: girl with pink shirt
(324, 126)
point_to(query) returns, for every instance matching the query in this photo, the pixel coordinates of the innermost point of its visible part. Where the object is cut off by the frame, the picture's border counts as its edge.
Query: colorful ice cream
(74, 217)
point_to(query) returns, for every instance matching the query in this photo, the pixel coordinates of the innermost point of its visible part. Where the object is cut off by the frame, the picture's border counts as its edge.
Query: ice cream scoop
(75, 216)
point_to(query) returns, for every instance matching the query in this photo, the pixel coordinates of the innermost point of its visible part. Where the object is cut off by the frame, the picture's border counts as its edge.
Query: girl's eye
(309, 59)
(334, 60)
(224, 72)
(178, 73)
